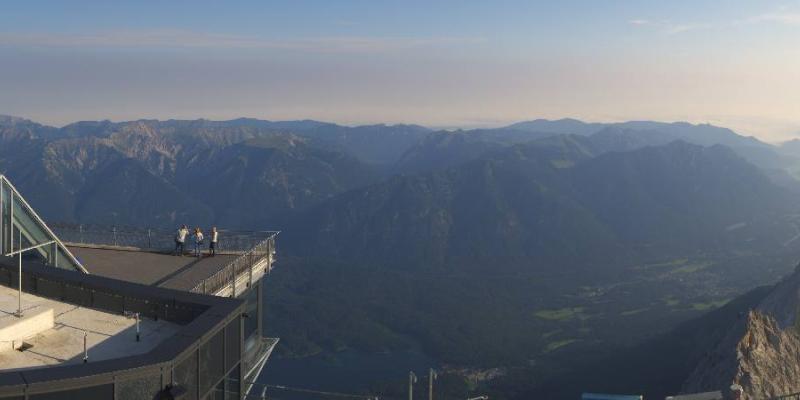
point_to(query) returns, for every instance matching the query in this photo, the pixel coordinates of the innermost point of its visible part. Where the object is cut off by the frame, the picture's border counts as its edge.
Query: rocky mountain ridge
(761, 352)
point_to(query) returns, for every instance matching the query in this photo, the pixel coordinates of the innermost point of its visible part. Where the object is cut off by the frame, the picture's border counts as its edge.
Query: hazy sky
(439, 63)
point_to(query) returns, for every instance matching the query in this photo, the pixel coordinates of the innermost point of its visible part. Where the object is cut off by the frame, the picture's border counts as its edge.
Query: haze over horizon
(453, 129)
(448, 64)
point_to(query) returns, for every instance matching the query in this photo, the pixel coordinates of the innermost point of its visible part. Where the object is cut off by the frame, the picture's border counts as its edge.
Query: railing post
(250, 271)
(85, 348)
(138, 337)
(2, 216)
(270, 250)
(80, 233)
(233, 282)
(114, 230)
(149, 240)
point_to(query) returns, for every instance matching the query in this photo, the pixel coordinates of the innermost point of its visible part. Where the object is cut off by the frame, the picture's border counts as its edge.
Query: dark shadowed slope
(540, 203)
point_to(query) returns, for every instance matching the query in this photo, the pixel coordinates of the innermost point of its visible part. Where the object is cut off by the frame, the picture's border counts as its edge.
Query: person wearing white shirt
(198, 242)
(180, 240)
(212, 246)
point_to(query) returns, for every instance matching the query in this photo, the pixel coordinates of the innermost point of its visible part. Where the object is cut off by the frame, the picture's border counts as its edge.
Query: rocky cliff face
(761, 352)
(164, 172)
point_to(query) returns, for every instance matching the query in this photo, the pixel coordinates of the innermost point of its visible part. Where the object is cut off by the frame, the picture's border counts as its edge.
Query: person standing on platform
(198, 242)
(180, 240)
(212, 245)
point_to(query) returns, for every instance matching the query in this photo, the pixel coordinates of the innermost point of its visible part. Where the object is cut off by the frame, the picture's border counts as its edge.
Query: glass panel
(63, 260)
(219, 392)
(233, 344)
(102, 392)
(29, 226)
(232, 389)
(212, 362)
(251, 333)
(41, 255)
(147, 387)
(186, 376)
(32, 229)
(5, 215)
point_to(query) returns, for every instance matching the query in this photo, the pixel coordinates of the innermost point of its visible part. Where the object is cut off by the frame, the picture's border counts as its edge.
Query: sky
(444, 63)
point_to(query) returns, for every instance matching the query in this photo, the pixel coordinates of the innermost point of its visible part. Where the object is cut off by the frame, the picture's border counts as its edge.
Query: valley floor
(552, 324)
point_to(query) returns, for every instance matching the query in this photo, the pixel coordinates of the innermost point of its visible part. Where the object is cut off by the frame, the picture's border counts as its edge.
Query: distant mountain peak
(560, 126)
(546, 120)
(10, 119)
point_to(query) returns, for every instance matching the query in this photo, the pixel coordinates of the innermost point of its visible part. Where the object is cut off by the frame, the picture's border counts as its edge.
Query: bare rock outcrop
(761, 352)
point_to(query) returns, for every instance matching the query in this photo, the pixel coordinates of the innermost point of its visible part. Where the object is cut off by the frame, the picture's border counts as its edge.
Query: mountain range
(527, 249)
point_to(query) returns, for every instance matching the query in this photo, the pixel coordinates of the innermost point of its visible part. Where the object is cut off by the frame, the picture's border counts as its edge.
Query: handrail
(230, 272)
(251, 247)
(157, 239)
(792, 396)
(29, 248)
(307, 391)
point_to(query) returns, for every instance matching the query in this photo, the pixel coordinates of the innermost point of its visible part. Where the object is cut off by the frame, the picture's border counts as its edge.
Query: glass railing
(255, 357)
(261, 253)
(251, 248)
(21, 227)
(792, 396)
(262, 391)
(155, 239)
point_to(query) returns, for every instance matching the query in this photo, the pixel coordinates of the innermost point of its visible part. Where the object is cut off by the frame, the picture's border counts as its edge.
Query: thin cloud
(639, 22)
(682, 28)
(783, 17)
(187, 39)
(670, 28)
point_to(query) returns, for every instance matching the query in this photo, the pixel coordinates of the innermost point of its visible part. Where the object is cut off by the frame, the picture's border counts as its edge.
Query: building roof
(173, 320)
(108, 335)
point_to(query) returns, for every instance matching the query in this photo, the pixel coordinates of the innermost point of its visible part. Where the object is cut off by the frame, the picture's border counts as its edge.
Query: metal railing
(719, 395)
(258, 390)
(251, 248)
(230, 241)
(254, 358)
(243, 264)
(793, 396)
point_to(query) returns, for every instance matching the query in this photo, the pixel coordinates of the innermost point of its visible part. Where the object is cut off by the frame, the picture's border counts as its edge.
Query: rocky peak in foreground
(761, 352)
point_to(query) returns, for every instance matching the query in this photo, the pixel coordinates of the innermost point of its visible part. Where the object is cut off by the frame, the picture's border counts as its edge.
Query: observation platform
(150, 267)
(145, 256)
